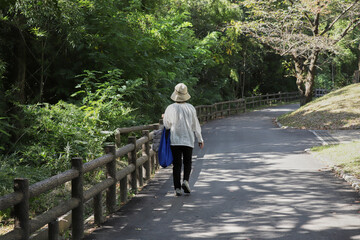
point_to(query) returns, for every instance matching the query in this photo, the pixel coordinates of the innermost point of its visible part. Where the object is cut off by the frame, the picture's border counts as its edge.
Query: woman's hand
(201, 145)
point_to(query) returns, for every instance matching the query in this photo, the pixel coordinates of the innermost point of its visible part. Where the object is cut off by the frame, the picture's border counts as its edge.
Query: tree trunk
(305, 85)
(42, 81)
(244, 78)
(358, 64)
(357, 71)
(300, 78)
(305, 76)
(21, 70)
(310, 79)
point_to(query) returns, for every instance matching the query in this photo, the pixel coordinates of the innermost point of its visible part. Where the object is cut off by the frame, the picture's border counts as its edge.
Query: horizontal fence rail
(221, 109)
(19, 199)
(131, 175)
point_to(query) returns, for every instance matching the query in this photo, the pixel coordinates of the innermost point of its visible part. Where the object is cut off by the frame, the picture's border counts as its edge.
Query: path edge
(351, 179)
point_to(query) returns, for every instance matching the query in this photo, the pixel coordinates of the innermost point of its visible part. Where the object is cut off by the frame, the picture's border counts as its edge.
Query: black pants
(181, 154)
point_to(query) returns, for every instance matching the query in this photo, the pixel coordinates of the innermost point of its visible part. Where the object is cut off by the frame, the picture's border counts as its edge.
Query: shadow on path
(252, 181)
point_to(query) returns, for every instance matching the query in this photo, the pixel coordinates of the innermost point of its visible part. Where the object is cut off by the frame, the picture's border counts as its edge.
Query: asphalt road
(252, 180)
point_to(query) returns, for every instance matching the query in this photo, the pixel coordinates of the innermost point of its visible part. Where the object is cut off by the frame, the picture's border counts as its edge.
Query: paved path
(252, 180)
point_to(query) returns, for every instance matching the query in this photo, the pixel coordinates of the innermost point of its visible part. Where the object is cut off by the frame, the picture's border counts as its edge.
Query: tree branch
(306, 15)
(316, 24)
(351, 26)
(338, 17)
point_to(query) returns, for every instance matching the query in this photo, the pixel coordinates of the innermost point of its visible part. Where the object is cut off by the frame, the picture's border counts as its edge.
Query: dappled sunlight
(322, 223)
(232, 188)
(249, 188)
(214, 231)
(264, 206)
(278, 110)
(251, 181)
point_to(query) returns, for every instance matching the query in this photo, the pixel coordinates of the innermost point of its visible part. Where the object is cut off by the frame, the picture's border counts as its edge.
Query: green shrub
(53, 134)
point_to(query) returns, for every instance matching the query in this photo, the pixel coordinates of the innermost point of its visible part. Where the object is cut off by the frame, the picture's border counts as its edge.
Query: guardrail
(19, 199)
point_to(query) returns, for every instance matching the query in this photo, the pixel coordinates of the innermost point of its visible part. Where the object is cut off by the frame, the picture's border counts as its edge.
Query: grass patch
(345, 156)
(339, 109)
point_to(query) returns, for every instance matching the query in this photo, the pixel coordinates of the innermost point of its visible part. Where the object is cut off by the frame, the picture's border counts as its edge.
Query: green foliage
(54, 133)
(4, 121)
(5, 128)
(61, 132)
(96, 65)
(104, 98)
(9, 171)
(64, 130)
(338, 70)
(2, 68)
(301, 30)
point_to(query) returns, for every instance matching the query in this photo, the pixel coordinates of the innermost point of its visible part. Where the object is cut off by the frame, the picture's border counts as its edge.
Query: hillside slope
(339, 109)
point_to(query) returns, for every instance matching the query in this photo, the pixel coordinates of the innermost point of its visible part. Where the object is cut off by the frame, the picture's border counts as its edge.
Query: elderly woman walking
(180, 117)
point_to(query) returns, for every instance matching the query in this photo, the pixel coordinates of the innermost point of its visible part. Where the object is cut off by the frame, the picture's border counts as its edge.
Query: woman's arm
(197, 129)
(167, 117)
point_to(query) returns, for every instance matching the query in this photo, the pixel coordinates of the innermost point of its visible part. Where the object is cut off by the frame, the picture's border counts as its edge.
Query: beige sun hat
(180, 93)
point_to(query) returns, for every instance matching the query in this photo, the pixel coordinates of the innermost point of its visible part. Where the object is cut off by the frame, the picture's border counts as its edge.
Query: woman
(180, 117)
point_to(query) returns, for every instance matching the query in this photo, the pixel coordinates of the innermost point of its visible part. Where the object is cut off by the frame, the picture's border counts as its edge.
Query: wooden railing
(22, 194)
(209, 112)
(19, 199)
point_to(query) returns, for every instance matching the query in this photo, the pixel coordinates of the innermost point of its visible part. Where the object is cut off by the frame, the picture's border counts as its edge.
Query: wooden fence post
(140, 175)
(124, 189)
(123, 181)
(117, 138)
(146, 151)
(21, 210)
(206, 114)
(77, 192)
(210, 112)
(229, 109)
(98, 210)
(132, 160)
(280, 99)
(213, 112)
(53, 230)
(157, 164)
(111, 173)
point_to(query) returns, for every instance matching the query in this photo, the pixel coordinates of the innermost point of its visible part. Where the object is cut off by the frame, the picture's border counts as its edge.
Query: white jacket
(182, 121)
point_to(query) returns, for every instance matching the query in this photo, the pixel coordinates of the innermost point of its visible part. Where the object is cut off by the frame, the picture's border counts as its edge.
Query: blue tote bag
(164, 153)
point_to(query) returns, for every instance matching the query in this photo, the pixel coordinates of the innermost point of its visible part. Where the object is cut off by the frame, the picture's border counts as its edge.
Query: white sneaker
(185, 186)
(178, 192)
